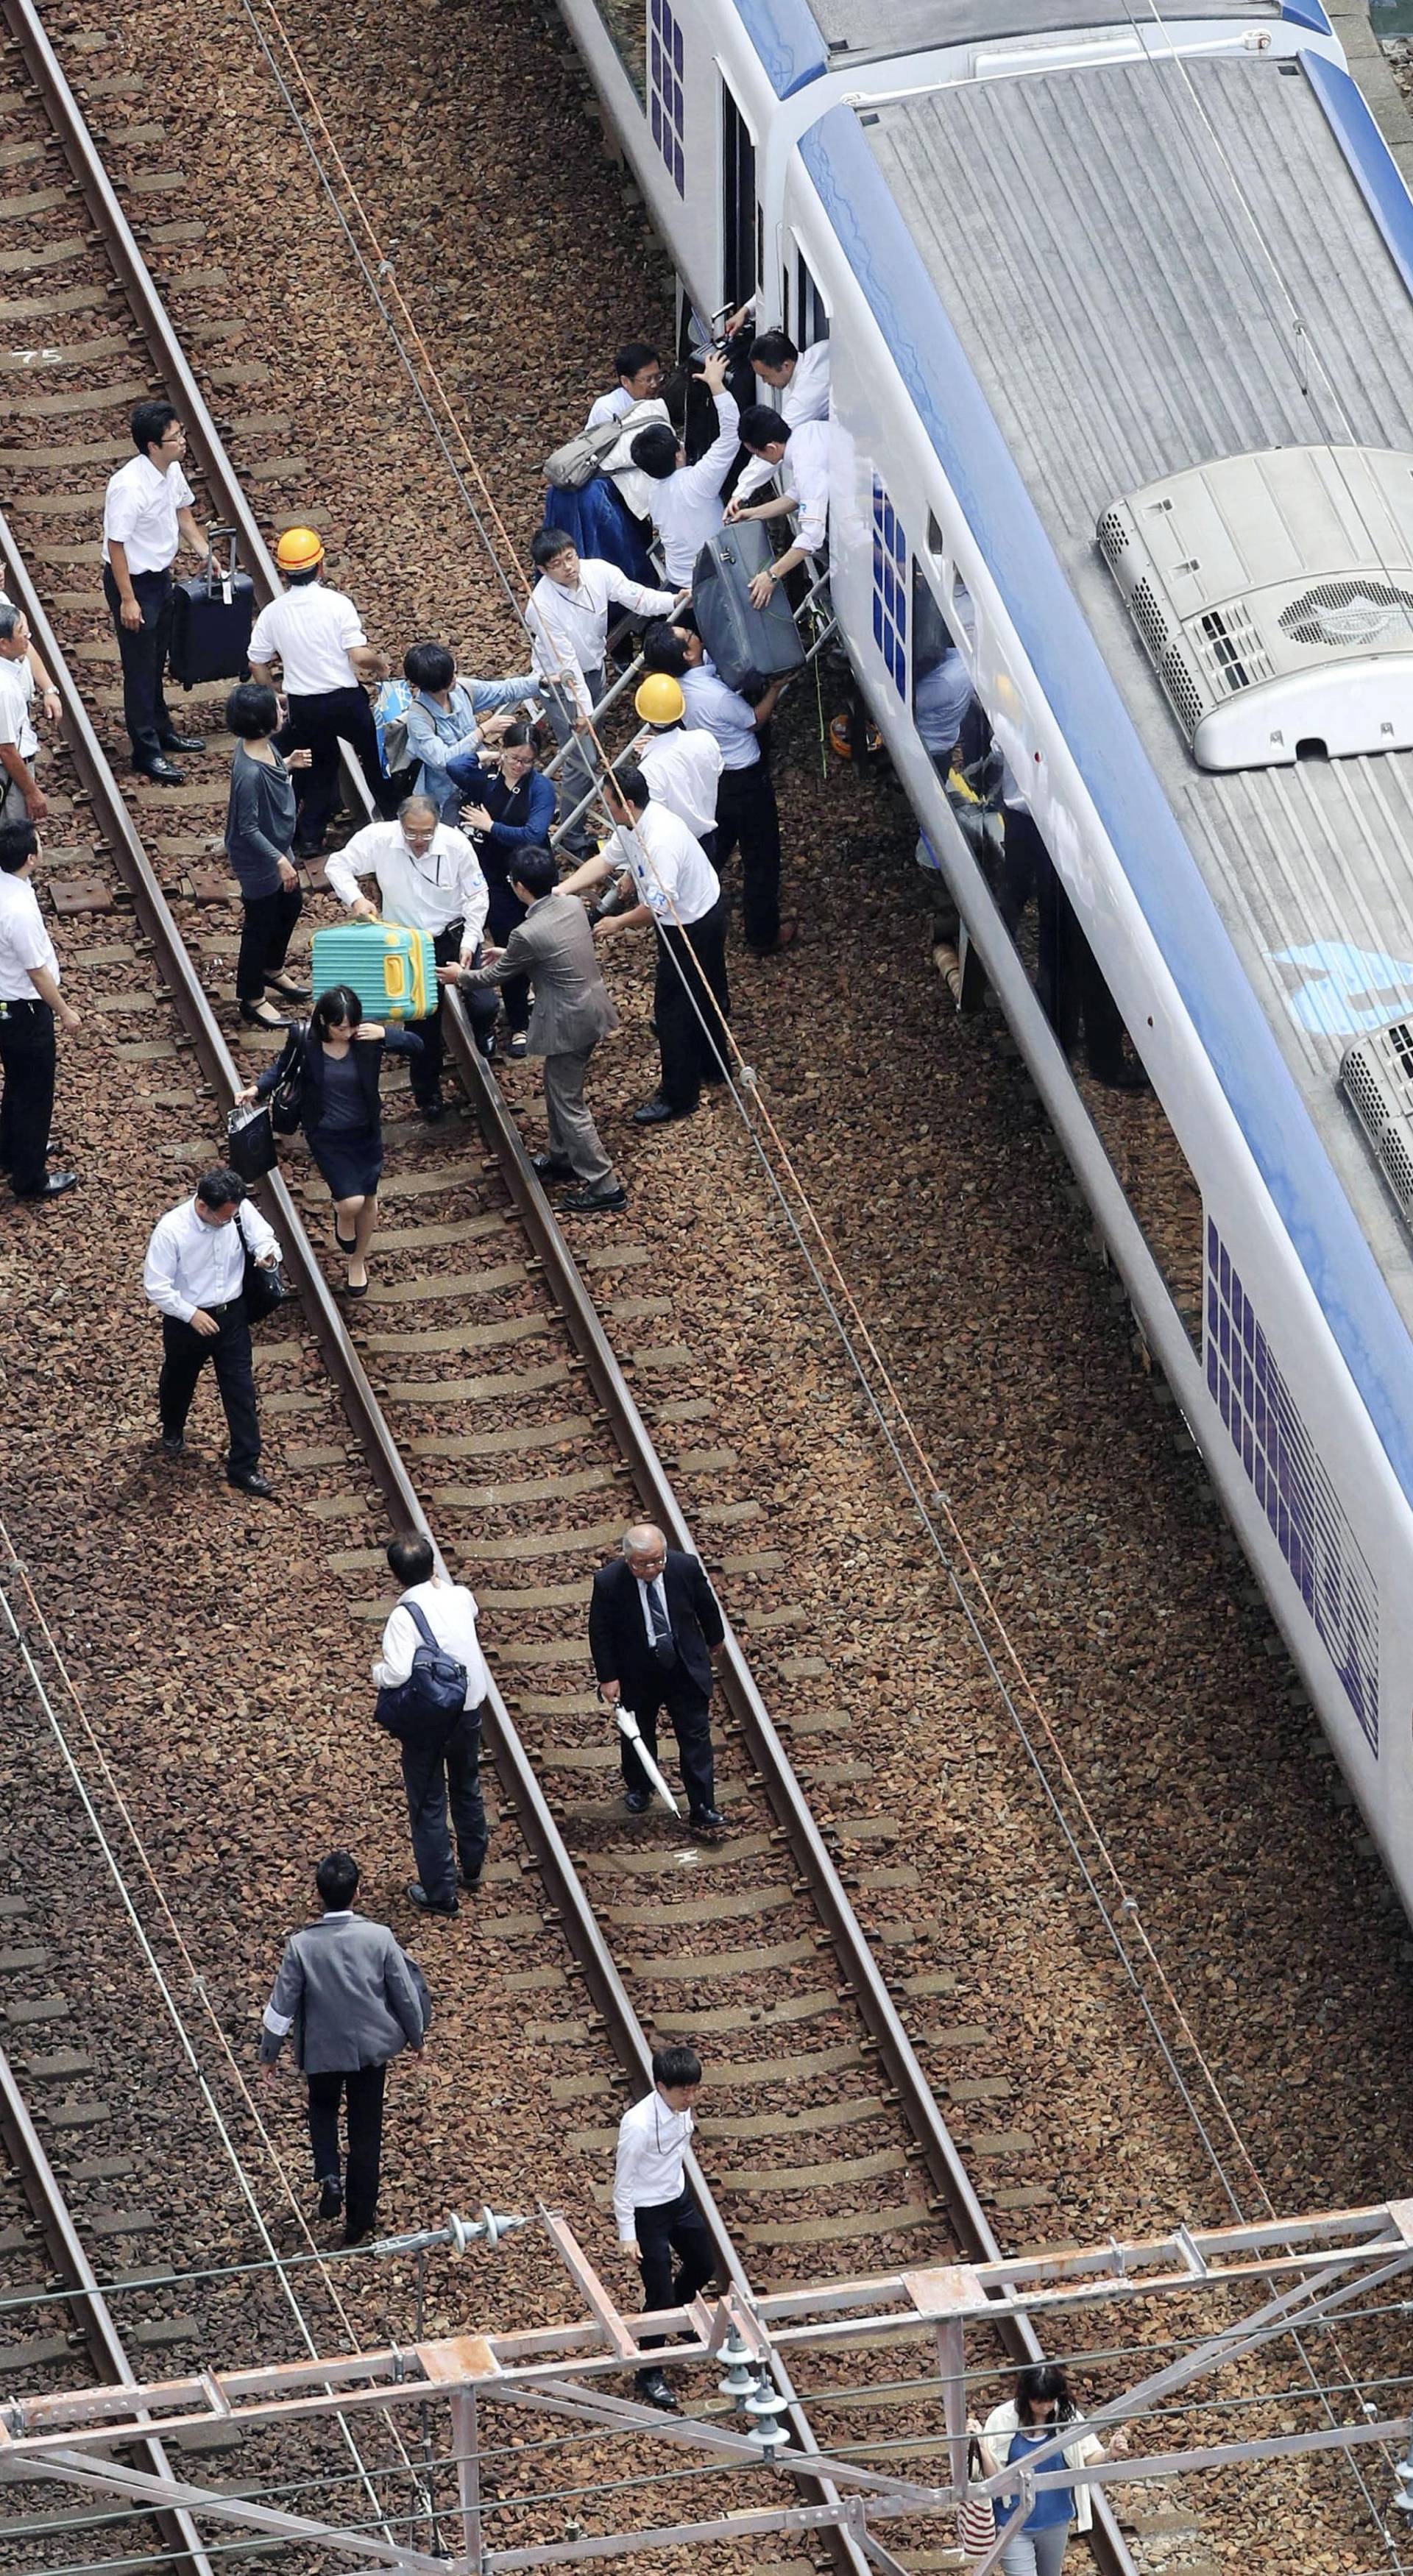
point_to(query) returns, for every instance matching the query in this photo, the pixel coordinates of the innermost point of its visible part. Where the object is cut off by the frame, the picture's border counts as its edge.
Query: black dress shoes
(552, 1167)
(426, 1904)
(182, 741)
(707, 1820)
(53, 1186)
(657, 1112)
(652, 2390)
(165, 772)
(433, 1110)
(173, 1444)
(637, 1801)
(250, 1481)
(287, 992)
(330, 2195)
(594, 1202)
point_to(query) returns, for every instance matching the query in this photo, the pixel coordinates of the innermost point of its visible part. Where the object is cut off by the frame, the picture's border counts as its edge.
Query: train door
(740, 210)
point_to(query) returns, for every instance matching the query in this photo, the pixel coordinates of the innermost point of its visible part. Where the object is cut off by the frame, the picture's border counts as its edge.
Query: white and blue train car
(1121, 313)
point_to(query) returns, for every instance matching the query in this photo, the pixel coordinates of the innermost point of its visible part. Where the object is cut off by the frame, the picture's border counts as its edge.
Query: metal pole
(465, 2444)
(951, 2364)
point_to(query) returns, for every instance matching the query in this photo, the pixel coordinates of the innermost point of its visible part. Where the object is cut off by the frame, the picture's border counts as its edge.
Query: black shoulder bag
(263, 1289)
(287, 1098)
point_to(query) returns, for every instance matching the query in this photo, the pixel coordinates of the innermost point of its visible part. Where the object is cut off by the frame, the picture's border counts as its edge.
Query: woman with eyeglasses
(511, 810)
(1041, 2408)
(335, 1059)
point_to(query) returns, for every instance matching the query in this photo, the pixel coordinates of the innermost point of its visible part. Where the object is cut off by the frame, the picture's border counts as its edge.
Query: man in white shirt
(567, 617)
(439, 1759)
(639, 371)
(681, 764)
(147, 512)
(655, 2213)
(746, 812)
(23, 800)
(316, 636)
(801, 378)
(656, 855)
(429, 878)
(30, 999)
(686, 501)
(803, 459)
(194, 1275)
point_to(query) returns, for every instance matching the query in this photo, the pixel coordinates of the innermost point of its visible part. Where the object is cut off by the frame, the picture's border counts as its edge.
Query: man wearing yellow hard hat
(682, 763)
(316, 636)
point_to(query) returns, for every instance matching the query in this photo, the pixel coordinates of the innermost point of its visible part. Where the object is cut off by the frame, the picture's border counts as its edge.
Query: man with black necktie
(655, 1632)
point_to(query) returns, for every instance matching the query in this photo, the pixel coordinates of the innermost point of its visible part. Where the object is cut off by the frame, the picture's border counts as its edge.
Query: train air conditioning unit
(1273, 595)
(1376, 1075)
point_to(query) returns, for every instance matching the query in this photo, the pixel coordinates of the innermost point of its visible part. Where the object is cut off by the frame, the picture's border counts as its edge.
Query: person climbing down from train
(638, 368)
(259, 837)
(334, 1061)
(656, 2214)
(746, 812)
(686, 499)
(1041, 2408)
(1069, 983)
(511, 811)
(802, 458)
(567, 617)
(801, 378)
(448, 719)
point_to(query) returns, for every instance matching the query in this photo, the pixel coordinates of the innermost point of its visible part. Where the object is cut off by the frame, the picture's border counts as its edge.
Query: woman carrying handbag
(259, 834)
(332, 1064)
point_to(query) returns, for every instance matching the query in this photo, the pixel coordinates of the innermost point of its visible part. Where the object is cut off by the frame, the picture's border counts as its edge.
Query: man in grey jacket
(554, 946)
(351, 1998)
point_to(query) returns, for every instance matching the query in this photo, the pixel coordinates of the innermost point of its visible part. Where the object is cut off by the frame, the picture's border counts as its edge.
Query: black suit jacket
(618, 1639)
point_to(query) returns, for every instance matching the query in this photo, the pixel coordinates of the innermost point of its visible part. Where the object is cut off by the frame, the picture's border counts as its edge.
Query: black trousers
(504, 916)
(266, 925)
(481, 1009)
(449, 1771)
(317, 725)
(27, 1102)
(363, 2088)
(747, 815)
(672, 2227)
(1070, 987)
(689, 986)
(186, 1353)
(689, 1711)
(142, 651)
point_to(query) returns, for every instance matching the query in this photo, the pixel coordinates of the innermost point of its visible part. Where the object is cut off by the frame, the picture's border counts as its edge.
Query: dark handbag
(250, 1142)
(424, 1709)
(212, 615)
(287, 1098)
(263, 1288)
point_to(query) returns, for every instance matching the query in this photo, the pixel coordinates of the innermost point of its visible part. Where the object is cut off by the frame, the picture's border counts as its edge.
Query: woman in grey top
(259, 831)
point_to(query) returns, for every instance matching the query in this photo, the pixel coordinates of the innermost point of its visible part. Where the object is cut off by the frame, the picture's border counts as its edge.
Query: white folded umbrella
(629, 1728)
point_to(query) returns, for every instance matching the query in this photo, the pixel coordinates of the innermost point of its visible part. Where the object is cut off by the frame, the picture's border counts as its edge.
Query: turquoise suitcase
(392, 970)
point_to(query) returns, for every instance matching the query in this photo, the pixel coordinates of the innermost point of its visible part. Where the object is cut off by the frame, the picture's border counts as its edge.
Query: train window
(740, 218)
(890, 595)
(785, 298)
(666, 98)
(626, 24)
(811, 309)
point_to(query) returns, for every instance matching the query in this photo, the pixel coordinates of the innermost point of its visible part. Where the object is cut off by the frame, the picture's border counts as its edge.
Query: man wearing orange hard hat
(316, 636)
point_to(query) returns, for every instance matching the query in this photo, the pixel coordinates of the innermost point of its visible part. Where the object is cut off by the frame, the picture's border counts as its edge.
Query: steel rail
(96, 2329)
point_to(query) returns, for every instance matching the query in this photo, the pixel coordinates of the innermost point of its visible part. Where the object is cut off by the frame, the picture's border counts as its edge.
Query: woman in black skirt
(337, 1059)
(259, 831)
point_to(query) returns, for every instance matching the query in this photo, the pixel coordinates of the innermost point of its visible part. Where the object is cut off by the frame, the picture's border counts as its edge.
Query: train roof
(1115, 251)
(868, 30)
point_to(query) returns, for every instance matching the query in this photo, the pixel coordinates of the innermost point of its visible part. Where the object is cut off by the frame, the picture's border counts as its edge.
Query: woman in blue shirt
(511, 809)
(442, 718)
(1041, 2408)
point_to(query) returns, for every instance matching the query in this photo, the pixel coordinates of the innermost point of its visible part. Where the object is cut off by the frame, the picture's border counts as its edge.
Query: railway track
(482, 1382)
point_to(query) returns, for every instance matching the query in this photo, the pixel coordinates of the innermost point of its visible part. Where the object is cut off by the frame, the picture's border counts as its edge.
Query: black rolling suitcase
(750, 646)
(212, 615)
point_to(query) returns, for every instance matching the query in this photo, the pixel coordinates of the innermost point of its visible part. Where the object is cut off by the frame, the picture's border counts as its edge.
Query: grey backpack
(580, 459)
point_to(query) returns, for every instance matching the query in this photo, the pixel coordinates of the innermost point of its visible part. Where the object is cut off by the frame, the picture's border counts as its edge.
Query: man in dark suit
(654, 1633)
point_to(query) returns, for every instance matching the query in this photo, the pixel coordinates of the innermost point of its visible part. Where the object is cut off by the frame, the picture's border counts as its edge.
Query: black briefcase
(212, 615)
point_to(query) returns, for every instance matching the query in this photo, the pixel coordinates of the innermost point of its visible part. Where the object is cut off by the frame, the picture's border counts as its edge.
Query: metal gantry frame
(1308, 2269)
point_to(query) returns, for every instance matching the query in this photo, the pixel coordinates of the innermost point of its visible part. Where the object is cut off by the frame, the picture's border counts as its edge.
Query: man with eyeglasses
(147, 513)
(429, 878)
(655, 1635)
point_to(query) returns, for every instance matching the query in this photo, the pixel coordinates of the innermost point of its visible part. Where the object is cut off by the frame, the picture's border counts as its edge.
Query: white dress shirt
(804, 471)
(671, 870)
(687, 508)
(569, 628)
(309, 630)
(190, 1263)
(24, 941)
(16, 707)
(806, 397)
(609, 407)
(723, 713)
(450, 1612)
(140, 511)
(427, 893)
(652, 2140)
(682, 769)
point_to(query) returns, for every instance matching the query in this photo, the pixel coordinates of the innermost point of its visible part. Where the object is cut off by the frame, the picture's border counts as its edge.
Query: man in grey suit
(554, 946)
(353, 2000)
